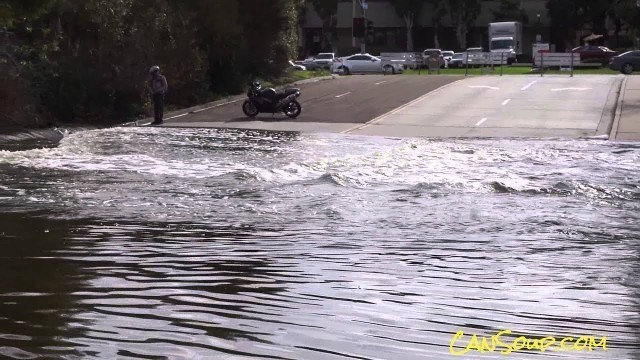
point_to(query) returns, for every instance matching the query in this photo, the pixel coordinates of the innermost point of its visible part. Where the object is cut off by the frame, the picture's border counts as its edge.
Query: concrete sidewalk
(626, 125)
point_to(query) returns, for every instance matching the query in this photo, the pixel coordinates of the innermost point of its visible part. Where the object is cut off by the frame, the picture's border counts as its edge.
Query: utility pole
(362, 16)
(353, 15)
(363, 7)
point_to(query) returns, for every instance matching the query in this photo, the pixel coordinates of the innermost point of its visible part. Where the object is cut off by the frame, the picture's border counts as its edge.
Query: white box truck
(506, 38)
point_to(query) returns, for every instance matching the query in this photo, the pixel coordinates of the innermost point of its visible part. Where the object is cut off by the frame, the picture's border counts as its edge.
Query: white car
(447, 55)
(297, 65)
(364, 63)
(325, 60)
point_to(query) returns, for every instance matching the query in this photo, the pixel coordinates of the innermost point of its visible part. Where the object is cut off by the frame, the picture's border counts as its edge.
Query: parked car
(362, 63)
(627, 62)
(296, 65)
(431, 54)
(447, 54)
(457, 60)
(594, 54)
(310, 63)
(325, 60)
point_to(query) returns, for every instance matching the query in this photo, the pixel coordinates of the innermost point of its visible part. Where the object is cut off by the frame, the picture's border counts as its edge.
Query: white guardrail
(556, 59)
(407, 59)
(542, 60)
(566, 61)
(484, 58)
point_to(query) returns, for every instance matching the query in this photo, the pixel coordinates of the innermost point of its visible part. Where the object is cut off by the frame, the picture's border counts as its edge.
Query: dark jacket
(158, 84)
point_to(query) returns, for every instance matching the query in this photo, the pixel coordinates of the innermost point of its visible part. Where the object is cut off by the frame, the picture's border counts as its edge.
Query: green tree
(510, 10)
(87, 60)
(327, 10)
(625, 12)
(570, 16)
(408, 11)
(438, 11)
(463, 13)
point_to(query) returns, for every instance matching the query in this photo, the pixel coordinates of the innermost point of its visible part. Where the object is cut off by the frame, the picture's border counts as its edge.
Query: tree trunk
(461, 35)
(408, 20)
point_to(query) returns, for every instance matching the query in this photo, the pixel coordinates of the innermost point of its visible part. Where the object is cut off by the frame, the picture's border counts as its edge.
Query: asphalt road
(328, 105)
(556, 106)
(439, 106)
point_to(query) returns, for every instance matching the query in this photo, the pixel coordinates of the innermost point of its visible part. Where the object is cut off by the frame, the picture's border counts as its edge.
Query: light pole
(363, 7)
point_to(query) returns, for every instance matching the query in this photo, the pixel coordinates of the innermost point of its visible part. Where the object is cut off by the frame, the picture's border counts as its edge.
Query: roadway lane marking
(484, 86)
(381, 82)
(529, 85)
(400, 108)
(341, 95)
(481, 121)
(505, 102)
(571, 88)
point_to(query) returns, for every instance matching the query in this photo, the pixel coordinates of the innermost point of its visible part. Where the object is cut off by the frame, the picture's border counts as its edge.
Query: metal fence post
(572, 64)
(501, 63)
(466, 67)
(491, 61)
(541, 64)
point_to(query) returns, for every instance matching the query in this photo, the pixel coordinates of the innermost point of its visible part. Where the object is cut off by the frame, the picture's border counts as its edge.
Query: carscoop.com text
(505, 344)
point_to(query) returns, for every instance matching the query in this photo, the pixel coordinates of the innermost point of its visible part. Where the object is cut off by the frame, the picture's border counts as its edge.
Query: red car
(595, 54)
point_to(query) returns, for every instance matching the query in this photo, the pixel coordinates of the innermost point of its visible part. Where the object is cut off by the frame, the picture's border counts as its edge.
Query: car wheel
(345, 70)
(626, 69)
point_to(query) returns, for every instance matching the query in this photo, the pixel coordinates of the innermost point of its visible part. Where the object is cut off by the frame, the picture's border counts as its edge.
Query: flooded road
(234, 244)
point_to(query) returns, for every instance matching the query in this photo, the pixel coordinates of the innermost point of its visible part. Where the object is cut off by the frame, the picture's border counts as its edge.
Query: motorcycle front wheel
(249, 109)
(292, 109)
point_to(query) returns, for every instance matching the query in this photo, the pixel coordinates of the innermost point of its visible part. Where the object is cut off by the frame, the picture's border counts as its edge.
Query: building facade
(390, 34)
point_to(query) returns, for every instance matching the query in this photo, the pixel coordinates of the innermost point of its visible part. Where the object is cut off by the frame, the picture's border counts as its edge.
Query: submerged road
(439, 106)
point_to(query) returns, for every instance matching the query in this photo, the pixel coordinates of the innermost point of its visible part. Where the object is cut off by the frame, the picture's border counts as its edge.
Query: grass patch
(297, 75)
(511, 70)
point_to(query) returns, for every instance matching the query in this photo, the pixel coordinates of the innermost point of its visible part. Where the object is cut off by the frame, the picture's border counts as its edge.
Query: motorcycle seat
(288, 91)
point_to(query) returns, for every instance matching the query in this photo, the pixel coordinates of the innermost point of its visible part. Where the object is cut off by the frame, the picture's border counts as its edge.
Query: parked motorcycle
(271, 101)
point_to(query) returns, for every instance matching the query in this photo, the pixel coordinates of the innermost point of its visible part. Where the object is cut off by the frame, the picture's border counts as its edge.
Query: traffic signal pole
(353, 15)
(363, 42)
(362, 15)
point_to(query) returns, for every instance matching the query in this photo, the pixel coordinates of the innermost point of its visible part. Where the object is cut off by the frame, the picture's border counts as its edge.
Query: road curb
(214, 104)
(613, 133)
(609, 110)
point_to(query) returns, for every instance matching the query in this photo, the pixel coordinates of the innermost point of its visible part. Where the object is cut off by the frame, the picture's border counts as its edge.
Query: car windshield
(502, 44)
(447, 53)
(432, 52)
(457, 56)
(324, 56)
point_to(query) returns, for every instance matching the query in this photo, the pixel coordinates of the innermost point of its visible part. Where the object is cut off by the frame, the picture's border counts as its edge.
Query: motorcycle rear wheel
(292, 109)
(249, 109)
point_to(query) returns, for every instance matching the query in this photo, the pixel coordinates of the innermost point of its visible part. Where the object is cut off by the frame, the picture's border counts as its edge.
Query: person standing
(159, 87)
